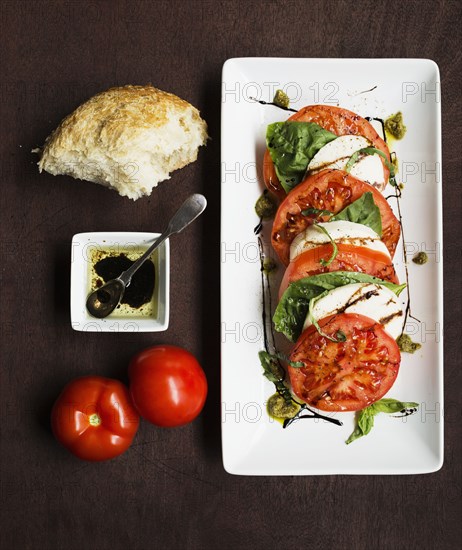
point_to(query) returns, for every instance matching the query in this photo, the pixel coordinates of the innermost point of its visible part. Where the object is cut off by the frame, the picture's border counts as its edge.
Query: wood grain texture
(170, 490)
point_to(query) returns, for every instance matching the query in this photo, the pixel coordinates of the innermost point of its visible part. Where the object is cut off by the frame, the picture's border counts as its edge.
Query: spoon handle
(192, 207)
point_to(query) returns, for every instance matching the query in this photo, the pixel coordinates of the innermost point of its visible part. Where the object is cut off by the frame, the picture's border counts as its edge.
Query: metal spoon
(103, 301)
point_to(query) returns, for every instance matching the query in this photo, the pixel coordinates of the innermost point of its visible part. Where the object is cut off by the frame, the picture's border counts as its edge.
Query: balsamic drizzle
(408, 311)
(274, 104)
(314, 414)
(382, 122)
(365, 91)
(405, 412)
(257, 229)
(397, 195)
(265, 291)
(269, 342)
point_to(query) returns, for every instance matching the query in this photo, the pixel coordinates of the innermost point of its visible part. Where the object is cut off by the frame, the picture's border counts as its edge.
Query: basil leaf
(389, 406)
(334, 246)
(370, 151)
(316, 211)
(273, 371)
(283, 357)
(364, 211)
(356, 434)
(365, 418)
(293, 307)
(313, 319)
(292, 145)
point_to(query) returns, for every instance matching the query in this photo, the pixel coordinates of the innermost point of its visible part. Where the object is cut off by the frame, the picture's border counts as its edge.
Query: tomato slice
(349, 258)
(349, 375)
(331, 190)
(340, 122)
(271, 179)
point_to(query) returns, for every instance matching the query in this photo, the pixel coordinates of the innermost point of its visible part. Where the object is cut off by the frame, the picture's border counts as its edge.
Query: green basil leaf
(370, 151)
(272, 370)
(315, 323)
(293, 307)
(313, 319)
(365, 418)
(283, 357)
(292, 145)
(364, 424)
(356, 434)
(316, 211)
(364, 211)
(334, 246)
(389, 406)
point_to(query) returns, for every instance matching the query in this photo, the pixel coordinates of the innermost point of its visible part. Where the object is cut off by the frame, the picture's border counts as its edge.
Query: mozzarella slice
(343, 232)
(369, 169)
(337, 153)
(375, 301)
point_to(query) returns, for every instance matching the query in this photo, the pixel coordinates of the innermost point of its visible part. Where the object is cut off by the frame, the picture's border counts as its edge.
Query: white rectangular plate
(253, 444)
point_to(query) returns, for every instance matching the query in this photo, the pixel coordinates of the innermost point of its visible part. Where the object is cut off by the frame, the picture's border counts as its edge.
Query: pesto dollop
(265, 207)
(278, 407)
(394, 125)
(406, 345)
(420, 258)
(281, 99)
(269, 265)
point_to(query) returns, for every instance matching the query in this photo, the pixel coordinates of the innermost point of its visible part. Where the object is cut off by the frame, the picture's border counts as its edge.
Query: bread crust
(111, 128)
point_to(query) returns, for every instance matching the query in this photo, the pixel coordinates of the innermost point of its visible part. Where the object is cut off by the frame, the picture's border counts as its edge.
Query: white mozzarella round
(369, 169)
(338, 152)
(374, 301)
(342, 232)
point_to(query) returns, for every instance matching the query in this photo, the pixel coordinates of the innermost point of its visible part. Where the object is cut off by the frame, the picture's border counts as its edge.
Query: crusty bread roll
(127, 138)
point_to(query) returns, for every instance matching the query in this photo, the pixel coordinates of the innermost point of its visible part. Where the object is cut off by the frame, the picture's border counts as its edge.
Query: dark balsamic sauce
(274, 104)
(313, 414)
(269, 342)
(382, 123)
(405, 412)
(365, 91)
(397, 195)
(139, 291)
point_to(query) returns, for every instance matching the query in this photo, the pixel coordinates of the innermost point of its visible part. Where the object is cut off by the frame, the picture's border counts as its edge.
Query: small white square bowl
(83, 244)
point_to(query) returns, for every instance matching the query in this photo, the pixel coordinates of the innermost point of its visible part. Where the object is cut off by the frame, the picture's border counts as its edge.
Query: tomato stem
(94, 419)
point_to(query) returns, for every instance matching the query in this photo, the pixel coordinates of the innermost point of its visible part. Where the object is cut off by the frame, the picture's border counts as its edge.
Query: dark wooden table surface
(170, 490)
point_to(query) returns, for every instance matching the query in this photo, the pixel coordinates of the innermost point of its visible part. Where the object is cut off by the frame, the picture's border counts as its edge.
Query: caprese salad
(336, 235)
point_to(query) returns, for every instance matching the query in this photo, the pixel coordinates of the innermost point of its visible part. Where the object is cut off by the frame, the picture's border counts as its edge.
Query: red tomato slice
(349, 258)
(349, 375)
(331, 190)
(271, 179)
(340, 122)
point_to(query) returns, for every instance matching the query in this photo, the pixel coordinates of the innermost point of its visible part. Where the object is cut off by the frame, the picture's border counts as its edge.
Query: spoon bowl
(106, 298)
(102, 301)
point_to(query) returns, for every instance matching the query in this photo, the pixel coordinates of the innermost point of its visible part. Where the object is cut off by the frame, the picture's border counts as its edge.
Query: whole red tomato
(94, 418)
(167, 385)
